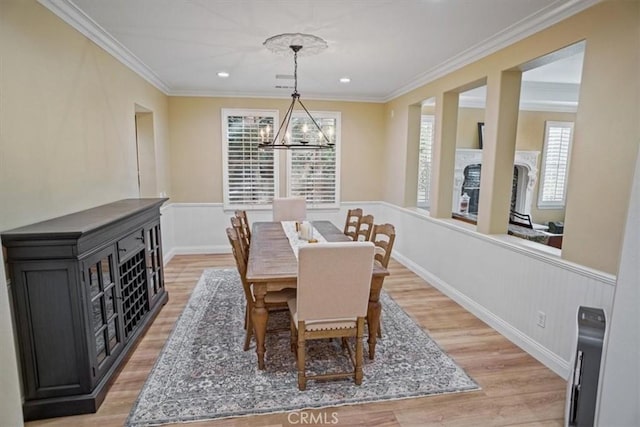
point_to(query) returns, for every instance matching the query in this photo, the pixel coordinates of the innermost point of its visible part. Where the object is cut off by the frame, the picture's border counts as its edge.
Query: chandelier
(299, 44)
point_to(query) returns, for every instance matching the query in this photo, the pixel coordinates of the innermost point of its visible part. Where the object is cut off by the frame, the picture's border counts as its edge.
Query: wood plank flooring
(516, 389)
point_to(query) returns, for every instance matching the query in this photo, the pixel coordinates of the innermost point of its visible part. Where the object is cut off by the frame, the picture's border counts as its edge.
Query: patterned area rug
(202, 372)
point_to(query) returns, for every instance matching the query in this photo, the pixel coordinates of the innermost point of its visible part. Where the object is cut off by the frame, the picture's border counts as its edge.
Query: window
(555, 164)
(248, 173)
(424, 160)
(315, 174)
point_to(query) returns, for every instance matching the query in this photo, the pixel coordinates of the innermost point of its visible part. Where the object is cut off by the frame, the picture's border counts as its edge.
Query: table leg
(260, 316)
(373, 314)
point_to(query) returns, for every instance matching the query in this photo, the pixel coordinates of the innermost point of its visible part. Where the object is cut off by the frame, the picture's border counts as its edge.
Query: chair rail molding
(499, 280)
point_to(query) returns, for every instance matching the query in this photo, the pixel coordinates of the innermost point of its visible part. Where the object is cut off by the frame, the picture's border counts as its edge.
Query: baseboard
(195, 250)
(542, 354)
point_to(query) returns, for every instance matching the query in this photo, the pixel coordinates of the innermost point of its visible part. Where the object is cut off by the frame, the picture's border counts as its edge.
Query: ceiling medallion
(281, 44)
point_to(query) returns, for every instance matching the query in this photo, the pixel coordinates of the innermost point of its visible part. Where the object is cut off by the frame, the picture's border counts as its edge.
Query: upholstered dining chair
(383, 236)
(275, 300)
(365, 226)
(236, 223)
(353, 220)
(289, 209)
(242, 215)
(331, 302)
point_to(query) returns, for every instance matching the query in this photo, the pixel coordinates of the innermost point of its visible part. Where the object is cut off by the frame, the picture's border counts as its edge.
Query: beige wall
(606, 132)
(67, 111)
(67, 136)
(196, 150)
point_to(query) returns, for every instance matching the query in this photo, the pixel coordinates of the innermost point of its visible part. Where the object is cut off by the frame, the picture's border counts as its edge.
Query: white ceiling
(386, 47)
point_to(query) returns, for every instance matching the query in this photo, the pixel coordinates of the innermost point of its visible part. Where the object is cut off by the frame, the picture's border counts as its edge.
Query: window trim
(337, 115)
(224, 114)
(427, 203)
(554, 204)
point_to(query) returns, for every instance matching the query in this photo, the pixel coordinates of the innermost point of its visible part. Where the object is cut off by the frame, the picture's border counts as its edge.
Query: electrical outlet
(542, 319)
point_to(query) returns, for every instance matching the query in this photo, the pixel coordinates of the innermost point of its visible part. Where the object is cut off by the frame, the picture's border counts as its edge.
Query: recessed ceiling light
(223, 74)
(345, 80)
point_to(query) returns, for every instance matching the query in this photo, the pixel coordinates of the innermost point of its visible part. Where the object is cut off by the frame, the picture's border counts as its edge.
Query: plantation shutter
(249, 177)
(557, 147)
(314, 173)
(424, 160)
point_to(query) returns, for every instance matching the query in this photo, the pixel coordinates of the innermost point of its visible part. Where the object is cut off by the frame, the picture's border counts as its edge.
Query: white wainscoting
(497, 279)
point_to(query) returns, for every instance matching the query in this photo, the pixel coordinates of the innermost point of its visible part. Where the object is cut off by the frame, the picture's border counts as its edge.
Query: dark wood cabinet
(84, 286)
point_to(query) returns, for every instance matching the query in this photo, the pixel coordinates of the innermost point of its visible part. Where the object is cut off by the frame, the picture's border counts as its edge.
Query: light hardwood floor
(516, 389)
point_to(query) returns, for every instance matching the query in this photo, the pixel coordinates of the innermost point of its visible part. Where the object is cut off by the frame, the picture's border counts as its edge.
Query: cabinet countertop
(78, 223)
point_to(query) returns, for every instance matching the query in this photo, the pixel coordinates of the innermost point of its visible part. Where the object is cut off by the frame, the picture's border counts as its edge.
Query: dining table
(273, 266)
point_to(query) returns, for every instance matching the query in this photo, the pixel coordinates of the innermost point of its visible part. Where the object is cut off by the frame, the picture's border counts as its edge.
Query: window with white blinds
(315, 174)
(555, 164)
(424, 160)
(249, 173)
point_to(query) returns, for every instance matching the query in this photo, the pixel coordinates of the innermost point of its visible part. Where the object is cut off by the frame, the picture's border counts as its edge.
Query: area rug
(202, 373)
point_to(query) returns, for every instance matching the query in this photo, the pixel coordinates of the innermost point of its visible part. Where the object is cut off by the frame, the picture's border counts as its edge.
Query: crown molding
(69, 13)
(552, 14)
(265, 95)
(534, 96)
(556, 12)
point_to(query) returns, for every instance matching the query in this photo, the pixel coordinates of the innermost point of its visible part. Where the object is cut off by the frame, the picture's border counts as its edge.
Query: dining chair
(331, 302)
(236, 223)
(383, 236)
(242, 215)
(353, 220)
(273, 300)
(365, 226)
(289, 209)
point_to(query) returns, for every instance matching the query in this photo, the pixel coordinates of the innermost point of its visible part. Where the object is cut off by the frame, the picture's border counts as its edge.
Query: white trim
(552, 14)
(76, 18)
(535, 349)
(499, 281)
(530, 25)
(512, 244)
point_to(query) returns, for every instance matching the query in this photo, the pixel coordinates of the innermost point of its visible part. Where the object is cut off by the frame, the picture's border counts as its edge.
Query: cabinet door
(154, 262)
(105, 313)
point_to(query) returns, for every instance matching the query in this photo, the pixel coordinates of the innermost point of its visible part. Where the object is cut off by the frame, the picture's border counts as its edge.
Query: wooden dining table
(273, 266)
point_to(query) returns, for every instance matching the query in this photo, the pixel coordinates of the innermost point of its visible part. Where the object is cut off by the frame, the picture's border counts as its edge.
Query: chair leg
(380, 328)
(293, 336)
(358, 368)
(302, 380)
(249, 329)
(246, 317)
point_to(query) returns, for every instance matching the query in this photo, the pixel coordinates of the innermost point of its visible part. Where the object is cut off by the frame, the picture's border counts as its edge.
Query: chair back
(234, 241)
(364, 228)
(244, 242)
(333, 282)
(353, 220)
(290, 209)
(242, 215)
(383, 236)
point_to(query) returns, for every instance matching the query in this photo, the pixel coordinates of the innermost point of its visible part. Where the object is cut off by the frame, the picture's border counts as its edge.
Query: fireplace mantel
(525, 161)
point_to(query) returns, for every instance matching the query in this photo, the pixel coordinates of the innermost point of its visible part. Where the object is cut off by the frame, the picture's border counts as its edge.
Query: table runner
(295, 241)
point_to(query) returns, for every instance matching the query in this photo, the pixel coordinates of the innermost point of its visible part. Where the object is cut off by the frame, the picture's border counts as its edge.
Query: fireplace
(467, 179)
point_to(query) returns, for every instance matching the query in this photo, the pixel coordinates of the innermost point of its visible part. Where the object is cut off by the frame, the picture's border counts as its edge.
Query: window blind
(249, 177)
(314, 174)
(555, 164)
(424, 160)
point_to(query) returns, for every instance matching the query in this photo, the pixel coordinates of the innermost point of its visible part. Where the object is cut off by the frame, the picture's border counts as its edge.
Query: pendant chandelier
(299, 44)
